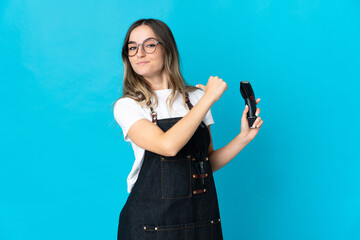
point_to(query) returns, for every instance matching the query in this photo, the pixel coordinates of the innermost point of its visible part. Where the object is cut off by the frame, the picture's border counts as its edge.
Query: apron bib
(174, 197)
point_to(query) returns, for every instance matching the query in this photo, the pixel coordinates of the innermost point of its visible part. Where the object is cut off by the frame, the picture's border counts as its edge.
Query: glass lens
(149, 46)
(132, 49)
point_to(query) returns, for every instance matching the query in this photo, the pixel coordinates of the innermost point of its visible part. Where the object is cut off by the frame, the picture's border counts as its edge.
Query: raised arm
(149, 136)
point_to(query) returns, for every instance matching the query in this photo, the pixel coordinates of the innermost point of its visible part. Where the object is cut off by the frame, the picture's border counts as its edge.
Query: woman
(171, 185)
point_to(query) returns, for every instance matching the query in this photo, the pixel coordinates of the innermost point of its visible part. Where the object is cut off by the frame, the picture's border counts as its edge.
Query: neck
(158, 82)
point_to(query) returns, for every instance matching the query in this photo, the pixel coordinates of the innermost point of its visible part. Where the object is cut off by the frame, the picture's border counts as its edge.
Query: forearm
(221, 156)
(182, 131)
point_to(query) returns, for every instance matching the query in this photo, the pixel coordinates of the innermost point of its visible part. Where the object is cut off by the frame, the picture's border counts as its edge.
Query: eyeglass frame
(137, 46)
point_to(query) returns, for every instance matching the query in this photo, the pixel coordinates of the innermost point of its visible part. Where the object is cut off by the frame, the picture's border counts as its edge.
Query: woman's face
(155, 60)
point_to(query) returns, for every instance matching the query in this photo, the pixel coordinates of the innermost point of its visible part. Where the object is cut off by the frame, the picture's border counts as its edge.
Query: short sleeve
(126, 113)
(208, 119)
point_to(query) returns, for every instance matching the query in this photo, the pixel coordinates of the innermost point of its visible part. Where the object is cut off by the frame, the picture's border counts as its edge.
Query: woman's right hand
(214, 88)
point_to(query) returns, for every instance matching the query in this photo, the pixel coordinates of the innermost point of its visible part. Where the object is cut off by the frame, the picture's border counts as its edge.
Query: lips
(142, 62)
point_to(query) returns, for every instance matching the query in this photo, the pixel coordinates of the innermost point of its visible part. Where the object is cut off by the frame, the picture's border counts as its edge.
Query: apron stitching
(178, 228)
(212, 234)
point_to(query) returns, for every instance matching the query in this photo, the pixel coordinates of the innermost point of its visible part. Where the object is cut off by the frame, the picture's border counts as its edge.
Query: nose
(141, 51)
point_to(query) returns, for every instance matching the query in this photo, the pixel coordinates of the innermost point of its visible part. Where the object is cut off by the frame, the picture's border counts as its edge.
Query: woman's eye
(151, 45)
(132, 48)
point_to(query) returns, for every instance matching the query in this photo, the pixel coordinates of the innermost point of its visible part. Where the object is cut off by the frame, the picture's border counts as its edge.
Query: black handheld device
(248, 94)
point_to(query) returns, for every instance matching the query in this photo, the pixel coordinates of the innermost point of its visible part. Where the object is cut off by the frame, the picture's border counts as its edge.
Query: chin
(143, 73)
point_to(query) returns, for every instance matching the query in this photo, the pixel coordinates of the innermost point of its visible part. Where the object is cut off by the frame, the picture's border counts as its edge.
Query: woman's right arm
(149, 136)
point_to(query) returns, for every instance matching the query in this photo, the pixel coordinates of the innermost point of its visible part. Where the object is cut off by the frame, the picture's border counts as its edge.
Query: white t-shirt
(127, 112)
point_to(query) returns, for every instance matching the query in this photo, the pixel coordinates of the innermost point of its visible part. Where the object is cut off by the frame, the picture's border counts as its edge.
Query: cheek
(159, 60)
(133, 64)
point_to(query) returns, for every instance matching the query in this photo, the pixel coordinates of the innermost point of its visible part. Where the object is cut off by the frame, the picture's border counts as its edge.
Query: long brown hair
(135, 86)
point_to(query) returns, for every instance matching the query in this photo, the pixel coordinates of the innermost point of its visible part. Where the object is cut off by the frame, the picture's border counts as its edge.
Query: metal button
(194, 175)
(212, 221)
(162, 158)
(194, 192)
(219, 219)
(207, 159)
(144, 227)
(204, 189)
(193, 159)
(155, 228)
(188, 156)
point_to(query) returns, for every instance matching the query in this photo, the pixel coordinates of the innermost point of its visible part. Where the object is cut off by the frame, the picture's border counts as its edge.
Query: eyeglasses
(149, 46)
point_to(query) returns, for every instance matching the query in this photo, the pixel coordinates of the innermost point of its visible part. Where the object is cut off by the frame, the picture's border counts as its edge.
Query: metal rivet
(144, 227)
(193, 159)
(207, 158)
(194, 176)
(204, 189)
(206, 174)
(194, 192)
(212, 221)
(162, 158)
(219, 219)
(189, 156)
(155, 228)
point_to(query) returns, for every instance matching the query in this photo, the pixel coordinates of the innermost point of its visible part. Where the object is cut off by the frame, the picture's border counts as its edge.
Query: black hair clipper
(248, 94)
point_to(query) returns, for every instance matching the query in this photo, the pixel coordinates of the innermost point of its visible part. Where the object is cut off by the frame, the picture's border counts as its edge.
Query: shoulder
(126, 102)
(127, 107)
(198, 93)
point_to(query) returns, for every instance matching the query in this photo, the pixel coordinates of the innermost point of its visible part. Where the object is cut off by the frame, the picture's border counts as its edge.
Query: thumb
(201, 86)
(245, 111)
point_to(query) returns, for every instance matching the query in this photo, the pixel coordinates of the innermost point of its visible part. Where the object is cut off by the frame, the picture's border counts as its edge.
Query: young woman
(171, 185)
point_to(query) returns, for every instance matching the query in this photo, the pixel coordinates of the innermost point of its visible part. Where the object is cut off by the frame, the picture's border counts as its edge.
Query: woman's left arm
(224, 155)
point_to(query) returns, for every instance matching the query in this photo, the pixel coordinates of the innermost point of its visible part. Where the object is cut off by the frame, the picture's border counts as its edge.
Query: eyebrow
(143, 41)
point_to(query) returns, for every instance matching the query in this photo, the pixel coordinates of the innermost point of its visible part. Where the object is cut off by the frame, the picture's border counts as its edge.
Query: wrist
(244, 138)
(209, 98)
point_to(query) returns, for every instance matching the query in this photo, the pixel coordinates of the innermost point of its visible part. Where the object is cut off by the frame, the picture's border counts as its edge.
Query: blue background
(64, 162)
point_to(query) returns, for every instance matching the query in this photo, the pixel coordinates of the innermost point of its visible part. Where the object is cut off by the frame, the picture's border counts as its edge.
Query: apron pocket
(200, 230)
(173, 232)
(175, 177)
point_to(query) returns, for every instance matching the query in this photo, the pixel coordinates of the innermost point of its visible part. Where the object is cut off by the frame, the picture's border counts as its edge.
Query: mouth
(142, 63)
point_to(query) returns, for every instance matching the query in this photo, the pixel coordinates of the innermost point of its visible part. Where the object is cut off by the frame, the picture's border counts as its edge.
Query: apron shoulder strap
(154, 114)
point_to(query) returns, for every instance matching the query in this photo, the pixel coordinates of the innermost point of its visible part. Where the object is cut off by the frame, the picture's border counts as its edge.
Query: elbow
(170, 150)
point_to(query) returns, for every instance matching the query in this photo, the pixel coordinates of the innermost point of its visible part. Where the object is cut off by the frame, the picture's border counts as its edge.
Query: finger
(257, 112)
(260, 124)
(257, 100)
(258, 119)
(201, 86)
(245, 112)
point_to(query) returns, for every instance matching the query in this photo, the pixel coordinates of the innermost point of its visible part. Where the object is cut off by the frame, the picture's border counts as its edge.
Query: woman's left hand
(246, 131)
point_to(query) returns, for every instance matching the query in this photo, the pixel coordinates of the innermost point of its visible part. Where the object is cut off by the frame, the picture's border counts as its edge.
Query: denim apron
(174, 197)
